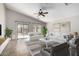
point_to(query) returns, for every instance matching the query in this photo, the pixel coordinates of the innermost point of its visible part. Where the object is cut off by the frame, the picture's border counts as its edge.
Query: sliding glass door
(36, 28)
(23, 29)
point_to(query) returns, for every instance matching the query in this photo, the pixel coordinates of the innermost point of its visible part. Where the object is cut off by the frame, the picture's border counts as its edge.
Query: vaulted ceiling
(55, 10)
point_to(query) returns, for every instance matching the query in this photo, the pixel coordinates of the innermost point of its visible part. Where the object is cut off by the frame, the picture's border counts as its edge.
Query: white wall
(74, 23)
(2, 17)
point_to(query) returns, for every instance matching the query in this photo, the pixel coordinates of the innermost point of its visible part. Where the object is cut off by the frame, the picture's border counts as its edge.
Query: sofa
(34, 43)
(57, 36)
(61, 50)
(35, 36)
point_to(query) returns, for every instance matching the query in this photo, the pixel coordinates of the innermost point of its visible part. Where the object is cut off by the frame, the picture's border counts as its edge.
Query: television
(0, 29)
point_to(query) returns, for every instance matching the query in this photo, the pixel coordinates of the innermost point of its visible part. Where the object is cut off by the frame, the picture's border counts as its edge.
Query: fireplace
(0, 29)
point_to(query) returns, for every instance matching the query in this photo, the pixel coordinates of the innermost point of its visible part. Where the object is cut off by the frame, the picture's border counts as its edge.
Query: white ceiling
(55, 10)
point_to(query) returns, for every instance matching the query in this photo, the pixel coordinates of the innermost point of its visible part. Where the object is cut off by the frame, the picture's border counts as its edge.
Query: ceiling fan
(42, 13)
(67, 4)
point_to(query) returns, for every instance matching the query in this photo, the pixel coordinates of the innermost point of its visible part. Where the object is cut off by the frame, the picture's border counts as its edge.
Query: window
(62, 27)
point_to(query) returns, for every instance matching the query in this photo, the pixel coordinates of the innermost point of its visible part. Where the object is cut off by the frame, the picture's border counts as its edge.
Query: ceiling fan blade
(67, 4)
(45, 13)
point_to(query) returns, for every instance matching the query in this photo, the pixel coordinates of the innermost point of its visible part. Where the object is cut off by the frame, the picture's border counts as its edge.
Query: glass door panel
(22, 30)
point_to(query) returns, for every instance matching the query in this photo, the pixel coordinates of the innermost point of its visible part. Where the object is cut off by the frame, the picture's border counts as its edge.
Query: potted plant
(8, 32)
(44, 31)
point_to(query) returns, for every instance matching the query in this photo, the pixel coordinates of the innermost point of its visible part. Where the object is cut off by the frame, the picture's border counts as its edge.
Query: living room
(34, 29)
